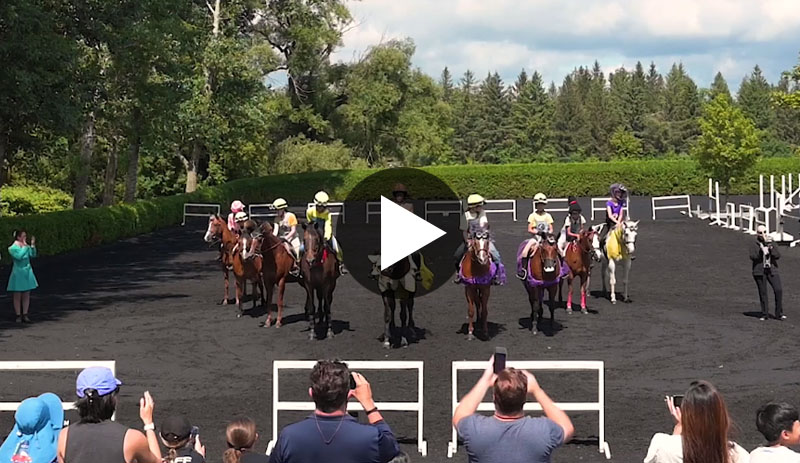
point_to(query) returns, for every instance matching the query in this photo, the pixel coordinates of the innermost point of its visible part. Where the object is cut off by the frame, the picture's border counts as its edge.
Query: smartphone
(500, 354)
(352, 382)
(677, 400)
(195, 432)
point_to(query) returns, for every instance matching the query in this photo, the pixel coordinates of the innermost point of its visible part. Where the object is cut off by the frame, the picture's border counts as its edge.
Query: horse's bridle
(478, 251)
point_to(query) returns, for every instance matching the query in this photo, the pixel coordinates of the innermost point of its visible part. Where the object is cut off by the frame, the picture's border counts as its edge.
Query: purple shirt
(616, 209)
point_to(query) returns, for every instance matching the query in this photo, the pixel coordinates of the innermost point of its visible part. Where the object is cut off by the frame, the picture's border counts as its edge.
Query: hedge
(22, 200)
(64, 231)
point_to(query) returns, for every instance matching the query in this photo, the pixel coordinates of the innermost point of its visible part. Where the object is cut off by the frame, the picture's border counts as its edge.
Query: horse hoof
(386, 344)
(614, 302)
(470, 337)
(627, 300)
(311, 337)
(403, 342)
(535, 331)
(569, 310)
(223, 302)
(329, 335)
(584, 311)
(278, 324)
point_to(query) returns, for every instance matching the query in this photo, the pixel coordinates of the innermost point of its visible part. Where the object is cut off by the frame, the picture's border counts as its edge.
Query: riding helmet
(573, 205)
(237, 206)
(280, 203)
(240, 216)
(321, 198)
(475, 200)
(540, 198)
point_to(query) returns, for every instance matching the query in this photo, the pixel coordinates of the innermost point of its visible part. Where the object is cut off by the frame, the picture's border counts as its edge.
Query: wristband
(150, 427)
(370, 412)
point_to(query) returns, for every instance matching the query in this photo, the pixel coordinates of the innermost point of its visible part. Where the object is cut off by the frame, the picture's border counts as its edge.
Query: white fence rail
(556, 205)
(504, 206)
(337, 209)
(417, 406)
(256, 211)
(443, 208)
(373, 208)
(681, 202)
(602, 206)
(71, 365)
(198, 210)
(598, 406)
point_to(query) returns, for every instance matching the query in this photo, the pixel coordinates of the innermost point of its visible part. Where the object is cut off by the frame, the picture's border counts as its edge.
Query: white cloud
(555, 36)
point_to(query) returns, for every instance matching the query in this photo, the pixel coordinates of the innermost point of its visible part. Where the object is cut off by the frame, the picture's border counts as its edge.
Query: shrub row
(64, 231)
(22, 200)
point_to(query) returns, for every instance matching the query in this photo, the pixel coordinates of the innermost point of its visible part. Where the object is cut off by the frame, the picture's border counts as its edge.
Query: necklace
(326, 440)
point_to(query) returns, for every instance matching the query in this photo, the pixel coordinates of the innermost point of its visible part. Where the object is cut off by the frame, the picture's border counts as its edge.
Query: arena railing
(598, 406)
(337, 209)
(392, 406)
(602, 207)
(685, 204)
(207, 209)
(70, 365)
(443, 208)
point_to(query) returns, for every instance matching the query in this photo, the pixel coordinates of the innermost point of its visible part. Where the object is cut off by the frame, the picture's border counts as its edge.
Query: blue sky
(556, 36)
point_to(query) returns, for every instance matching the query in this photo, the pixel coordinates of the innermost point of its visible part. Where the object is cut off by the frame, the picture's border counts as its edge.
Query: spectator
(764, 256)
(330, 434)
(22, 279)
(509, 436)
(241, 436)
(780, 425)
(183, 446)
(34, 438)
(95, 438)
(701, 432)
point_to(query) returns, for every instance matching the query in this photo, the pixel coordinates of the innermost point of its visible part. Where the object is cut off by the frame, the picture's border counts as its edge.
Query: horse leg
(281, 294)
(532, 301)
(470, 312)
(388, 318)
(226, 275)
(403, 322)
(626, 270)
(239, 296)
(612, 279)
(540, 309)
(551, 303)
(485, 310)
(570, 280)
(584, 288)
(328, 299)
(310, 312)
(604, 274)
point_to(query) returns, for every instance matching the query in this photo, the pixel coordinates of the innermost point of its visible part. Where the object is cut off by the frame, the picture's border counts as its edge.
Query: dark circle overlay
(360, 239)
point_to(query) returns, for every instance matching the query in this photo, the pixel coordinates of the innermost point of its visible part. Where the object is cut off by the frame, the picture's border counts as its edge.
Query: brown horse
(218, 230)
(578, 257)
(276, 264)
(395, 282)
(246, 268)
(544, 272)
(476, 274)
(320, 269)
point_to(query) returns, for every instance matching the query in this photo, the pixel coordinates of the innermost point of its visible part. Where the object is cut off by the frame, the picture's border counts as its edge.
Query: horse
(320, 269)
(218, 229)
(276, 264)
(395, 282)
(620, 245)
(545, 271)
(246, 267)
(476, 273)
(578, 258)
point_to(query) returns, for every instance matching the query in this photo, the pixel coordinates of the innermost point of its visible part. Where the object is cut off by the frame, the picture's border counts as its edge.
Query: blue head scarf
(34, 438)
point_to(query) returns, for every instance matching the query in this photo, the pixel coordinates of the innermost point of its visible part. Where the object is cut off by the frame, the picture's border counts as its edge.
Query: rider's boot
(342, 269)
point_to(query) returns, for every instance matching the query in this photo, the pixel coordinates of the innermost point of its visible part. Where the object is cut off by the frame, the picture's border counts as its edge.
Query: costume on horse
(578, 246)
(285, 228)
(615, 208)
(320, 216)
(478, 272)
(474, 224)
(619, 248)
(543, 270)
(540, 225)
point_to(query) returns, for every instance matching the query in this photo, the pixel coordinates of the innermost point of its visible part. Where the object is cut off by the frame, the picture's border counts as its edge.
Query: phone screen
(500, 354)
(195, 432)
(677, 400)
(352, 382)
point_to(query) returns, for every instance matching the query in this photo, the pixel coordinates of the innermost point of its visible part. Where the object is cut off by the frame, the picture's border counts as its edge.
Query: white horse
(622, 241)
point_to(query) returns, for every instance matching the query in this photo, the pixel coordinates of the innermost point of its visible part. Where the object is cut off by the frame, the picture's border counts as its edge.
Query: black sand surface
(150, 303)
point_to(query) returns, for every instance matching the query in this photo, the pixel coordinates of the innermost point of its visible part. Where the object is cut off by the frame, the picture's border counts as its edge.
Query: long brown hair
(706, 423)
(241, 435)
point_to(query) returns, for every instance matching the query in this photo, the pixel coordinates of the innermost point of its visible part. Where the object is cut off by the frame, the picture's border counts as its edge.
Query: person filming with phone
(509, 436)
(764, 256)
(330, 434)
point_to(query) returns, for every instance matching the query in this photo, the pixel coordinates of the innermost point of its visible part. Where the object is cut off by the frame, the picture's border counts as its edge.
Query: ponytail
(241, 436)
(172, 454)
(232, 456)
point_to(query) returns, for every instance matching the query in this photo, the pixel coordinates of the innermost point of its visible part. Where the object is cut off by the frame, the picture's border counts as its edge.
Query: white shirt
(668, 448)
(779, 454)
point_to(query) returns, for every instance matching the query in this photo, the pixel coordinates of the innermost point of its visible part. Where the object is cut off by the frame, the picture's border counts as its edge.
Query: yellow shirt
(284, 226)
(322, 219)
(541, 221)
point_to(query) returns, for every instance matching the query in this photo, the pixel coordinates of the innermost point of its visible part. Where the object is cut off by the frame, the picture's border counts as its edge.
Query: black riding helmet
(573, 205)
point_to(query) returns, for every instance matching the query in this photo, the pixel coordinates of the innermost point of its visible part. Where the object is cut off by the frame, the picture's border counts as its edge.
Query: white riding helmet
(280, 203)
(475, 200)
(321, 199)
(540, 198)
(240, 216)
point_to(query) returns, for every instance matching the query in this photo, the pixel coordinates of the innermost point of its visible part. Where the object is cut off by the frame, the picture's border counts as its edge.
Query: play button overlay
(374, 224)
(403, 233)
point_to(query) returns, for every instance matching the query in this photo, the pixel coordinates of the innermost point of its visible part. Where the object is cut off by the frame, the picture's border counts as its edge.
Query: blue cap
(101, 379)
(35, 433)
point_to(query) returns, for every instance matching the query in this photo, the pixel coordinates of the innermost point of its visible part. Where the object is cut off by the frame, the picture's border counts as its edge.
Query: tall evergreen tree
(522, 81)
(719, 87)
(530, 124)
(600, 115)
(787, 118)
(446, 82)
(681, 109)
(494, 109)
(465, 139)
(571, 132)
(754, 98)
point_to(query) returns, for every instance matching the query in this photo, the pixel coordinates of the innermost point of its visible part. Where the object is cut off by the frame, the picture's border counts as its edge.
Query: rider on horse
(573, 226)
(540, 225)
(285, 228)
(236, 207)
(318, 214)
(247, 229)
(474, 222)
(400, 195)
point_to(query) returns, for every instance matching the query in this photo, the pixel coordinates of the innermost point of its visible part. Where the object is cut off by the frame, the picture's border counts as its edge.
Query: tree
(625, 145)
(719, 87)
(728, 145)
(467, 114)
(446, 82)
(494, 106)
(600, 115)
(529, 126)
(681, 108)
(754, 98)
(572, 135)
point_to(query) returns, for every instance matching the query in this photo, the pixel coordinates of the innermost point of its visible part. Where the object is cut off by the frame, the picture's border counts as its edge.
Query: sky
(554, 37)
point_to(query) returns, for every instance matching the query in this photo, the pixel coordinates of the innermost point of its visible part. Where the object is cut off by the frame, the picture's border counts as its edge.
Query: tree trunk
(192, 165)
(132, 175)
(110, 183)
(87, 148)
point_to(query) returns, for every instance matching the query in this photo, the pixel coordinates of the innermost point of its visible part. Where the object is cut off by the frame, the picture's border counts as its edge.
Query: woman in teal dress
(22, 280)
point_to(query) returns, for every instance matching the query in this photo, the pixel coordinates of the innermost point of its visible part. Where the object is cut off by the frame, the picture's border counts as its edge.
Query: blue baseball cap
(101, 379)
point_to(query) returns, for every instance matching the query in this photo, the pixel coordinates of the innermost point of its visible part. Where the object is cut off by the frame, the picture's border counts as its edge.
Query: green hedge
(64, 231)
(22, 200)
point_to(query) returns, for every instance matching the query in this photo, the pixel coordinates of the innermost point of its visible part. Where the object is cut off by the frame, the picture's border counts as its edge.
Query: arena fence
(602, 206)
(443, 208)
(555, 205)
(337, 209)
(502, 206)
(598, 406)
(416, 407)
(682, 202)
(198, 210)
(257, 211)
(373, 208)
(71, 365)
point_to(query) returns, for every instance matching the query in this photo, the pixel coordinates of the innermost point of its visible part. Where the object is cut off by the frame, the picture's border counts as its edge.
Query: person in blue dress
(22, 279)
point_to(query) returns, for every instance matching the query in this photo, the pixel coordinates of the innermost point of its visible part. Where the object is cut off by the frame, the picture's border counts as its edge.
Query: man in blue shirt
(331, 435)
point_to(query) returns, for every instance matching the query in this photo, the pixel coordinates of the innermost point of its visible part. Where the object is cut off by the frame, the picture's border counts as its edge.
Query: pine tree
(681, 109)
(465, 139)
(755, 100)
(446, 82)
(787, 118)
(522, 81)
(530, 124)
(719, 87)
(493, 105)
(655, 89)
(600, 115)
(571, 132)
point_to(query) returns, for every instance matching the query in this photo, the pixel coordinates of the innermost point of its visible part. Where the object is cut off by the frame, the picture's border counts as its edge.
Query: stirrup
(342, 270)
(523, 275)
